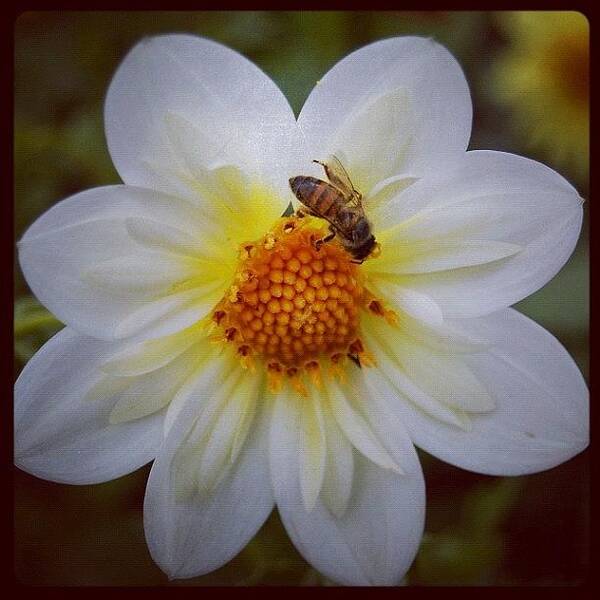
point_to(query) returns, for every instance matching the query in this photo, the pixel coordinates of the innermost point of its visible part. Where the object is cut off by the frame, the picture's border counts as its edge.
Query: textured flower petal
(356, 428)
(159, 236)
(312, 451)
(218, 448)
(432, 256)
(179, 105)
(389, 365)
(141, 276)
(192, 530)
(143, 357)
(400, 105)
(339, 468)
(418, 306)
(63, 435)
(442, 337)
(439, 373)
(82, 262)
(506, 200)
(541, 409)
(154, 391)
(446, 378)
(376, 539)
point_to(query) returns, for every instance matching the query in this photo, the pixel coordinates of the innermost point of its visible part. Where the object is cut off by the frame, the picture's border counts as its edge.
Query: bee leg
(357, 262)
(325, 168)
(324, 240)
(304, 212)
(318, 162)
(355, 359)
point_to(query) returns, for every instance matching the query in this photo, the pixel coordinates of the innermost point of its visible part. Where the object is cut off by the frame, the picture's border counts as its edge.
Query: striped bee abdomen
(303, 187)
(316, 194)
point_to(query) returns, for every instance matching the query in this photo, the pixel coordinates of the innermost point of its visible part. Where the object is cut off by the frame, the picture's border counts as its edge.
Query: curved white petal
(62, 433)
(141, 276)
(435, 378)
(87, 261)
(433, 256)
(149, 355)
(205, 500)
(313, 451)
(149, 392)
(410, 303)
(378, 534)
(397, 106)
(443, 337)
(179, 106)
(356, 428)
(541, 413)
(339, 467)
(412, 392)
(480, 237)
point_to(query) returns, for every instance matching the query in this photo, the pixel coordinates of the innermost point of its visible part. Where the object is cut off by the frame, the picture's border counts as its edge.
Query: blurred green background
(479, 529)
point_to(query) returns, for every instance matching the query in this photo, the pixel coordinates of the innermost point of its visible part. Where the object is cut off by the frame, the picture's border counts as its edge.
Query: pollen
(293, 308)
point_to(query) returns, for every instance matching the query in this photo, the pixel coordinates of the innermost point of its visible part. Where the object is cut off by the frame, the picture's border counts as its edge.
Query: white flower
(206, 332)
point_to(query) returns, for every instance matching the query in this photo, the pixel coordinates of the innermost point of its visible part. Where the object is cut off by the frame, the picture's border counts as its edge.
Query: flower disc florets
(293, 306)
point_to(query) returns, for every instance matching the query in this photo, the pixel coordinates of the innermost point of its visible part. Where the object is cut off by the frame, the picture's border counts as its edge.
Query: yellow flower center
(295, 308)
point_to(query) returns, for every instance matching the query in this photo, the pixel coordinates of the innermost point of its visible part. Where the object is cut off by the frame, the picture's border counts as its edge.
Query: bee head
(360, 252)
(362, 232)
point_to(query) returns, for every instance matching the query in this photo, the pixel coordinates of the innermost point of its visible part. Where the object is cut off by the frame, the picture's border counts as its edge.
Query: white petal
(180, 104)
(191, 533)
(141, 276)
(83, 264)
(406, 301)
(386, 188)
(441, 374)
(443, 337)
(405, 389)
(356, 428)
(180, 399)
(153, 391)
(339, 470)
(149, 355)
(172, 313)
(446, 378)
(218, 451)
(430, 256)
(63, 435)
(377, 537)
(541, 415)
(400, 105)
(159, 236)
(312, 450)
(490, 197)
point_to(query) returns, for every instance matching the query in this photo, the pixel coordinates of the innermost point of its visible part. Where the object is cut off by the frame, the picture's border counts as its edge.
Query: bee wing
(338, 177)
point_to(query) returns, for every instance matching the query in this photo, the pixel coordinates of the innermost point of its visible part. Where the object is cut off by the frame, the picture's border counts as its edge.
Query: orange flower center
(294, 307)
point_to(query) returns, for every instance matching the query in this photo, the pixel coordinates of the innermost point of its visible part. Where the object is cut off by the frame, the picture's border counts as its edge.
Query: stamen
(274, 377)
(296, 309)
(246, 357)
(314, 372)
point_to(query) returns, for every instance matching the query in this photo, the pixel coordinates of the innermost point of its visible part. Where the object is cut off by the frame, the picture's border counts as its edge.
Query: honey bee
(339, 203)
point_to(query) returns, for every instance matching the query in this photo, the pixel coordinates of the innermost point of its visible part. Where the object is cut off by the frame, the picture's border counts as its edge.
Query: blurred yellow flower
(543, 75)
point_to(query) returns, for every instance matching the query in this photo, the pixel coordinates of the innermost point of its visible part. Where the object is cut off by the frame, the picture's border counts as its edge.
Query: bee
(339, 203)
